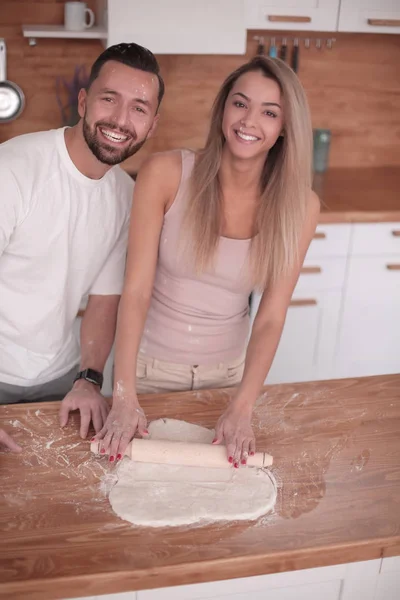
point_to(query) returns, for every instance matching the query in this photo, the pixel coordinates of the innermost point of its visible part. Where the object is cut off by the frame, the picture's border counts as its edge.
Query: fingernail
(102, 451)
(111, 459)
(119, 456)
(243, 461)
(251, 453)
(236, 465)
(145, 430)
(93, 439)
(214, 440)
(230, 459)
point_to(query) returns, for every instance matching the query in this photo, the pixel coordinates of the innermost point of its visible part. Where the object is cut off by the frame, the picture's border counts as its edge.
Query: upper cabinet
(299, 15)
(179, 26)
(370, 16)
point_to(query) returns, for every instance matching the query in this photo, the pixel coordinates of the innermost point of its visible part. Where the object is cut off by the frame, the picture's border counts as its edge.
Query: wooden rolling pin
(184, 453)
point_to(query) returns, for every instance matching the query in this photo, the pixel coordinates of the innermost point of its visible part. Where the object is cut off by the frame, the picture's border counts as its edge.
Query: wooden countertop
(336, 447)
(359, 195)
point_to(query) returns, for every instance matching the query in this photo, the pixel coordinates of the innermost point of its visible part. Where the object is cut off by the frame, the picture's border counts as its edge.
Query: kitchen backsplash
(353, 89)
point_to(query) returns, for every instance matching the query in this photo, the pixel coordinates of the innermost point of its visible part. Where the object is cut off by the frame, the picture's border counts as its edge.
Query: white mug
(75, 16)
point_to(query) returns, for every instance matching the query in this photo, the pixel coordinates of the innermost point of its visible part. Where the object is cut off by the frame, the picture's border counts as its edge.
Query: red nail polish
(102, 451)
(243, 461)
(251, 453)
(111, 459)
(119, 456)
(93, 439)
(230, 459)
(236, 465)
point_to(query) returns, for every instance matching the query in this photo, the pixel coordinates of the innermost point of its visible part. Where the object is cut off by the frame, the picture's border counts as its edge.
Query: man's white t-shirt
(62, 236)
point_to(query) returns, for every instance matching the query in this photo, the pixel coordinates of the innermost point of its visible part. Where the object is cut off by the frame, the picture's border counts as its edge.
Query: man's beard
(107, 154)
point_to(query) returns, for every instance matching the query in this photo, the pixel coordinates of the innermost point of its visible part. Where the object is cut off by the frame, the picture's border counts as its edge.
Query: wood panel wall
(353, 89)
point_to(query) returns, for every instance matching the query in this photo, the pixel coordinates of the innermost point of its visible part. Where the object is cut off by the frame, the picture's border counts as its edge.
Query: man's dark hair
(132, 55)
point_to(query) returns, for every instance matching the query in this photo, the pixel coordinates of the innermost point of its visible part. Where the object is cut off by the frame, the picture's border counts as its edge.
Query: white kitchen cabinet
(307, 346)
(353, 581)
(299, 15)
(369, 337)
(344, 318)
(179, 26)
(388, 584)
(370, 16)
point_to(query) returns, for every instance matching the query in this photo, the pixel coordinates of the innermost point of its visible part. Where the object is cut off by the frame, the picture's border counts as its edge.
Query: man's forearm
(98, 331)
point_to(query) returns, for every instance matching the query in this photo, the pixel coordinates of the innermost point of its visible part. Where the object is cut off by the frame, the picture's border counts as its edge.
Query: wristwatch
(90, 375)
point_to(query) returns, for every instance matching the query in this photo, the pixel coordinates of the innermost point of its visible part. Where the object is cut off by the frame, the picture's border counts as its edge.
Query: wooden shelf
(59, 31)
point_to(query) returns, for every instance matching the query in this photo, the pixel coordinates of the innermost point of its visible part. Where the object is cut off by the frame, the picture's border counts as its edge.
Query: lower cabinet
(307, 346)
(368, 580)
(369, 337)
(344, 317)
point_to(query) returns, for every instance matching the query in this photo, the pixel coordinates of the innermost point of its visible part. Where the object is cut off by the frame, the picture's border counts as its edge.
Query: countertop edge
(336, 217)
(198, 572)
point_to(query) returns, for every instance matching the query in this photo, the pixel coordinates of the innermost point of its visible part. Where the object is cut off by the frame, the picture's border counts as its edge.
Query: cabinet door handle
(310, 270)
(396, 233)
(288, 19)
(304, 302)
(393, 267)
(319, 235)
(384, 22)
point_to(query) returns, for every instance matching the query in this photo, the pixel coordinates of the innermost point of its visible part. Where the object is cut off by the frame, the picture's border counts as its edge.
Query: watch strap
(90, 375)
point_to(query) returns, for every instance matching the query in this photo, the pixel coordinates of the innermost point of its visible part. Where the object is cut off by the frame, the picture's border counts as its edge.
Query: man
(64, 211)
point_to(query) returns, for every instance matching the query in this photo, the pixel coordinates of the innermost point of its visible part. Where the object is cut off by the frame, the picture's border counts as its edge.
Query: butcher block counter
(363, 195)
(336, 448)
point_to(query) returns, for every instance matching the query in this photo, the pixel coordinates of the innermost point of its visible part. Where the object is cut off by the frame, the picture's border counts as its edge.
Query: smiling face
(253, 115)
(119, 111)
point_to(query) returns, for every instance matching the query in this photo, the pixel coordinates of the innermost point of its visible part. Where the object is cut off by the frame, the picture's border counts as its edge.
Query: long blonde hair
(285, 183)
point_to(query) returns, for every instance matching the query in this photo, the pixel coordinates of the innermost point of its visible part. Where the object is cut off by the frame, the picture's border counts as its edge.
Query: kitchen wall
(353, 89)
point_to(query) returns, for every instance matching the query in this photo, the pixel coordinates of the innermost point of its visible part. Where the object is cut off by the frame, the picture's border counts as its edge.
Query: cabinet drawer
(330, 240)
(376, 238)
(300, 15)
(322, 274)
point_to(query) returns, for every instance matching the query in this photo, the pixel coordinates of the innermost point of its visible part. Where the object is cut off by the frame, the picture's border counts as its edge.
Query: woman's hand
(125, 417)
(234, 427)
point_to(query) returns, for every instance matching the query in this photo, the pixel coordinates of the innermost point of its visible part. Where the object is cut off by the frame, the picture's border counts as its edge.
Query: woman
(206, 229)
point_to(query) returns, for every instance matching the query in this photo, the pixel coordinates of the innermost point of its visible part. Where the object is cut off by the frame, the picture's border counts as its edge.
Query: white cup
(75, 16)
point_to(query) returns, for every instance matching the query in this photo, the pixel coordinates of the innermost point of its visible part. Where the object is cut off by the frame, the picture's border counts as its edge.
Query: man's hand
(6, 441)
(86, 398)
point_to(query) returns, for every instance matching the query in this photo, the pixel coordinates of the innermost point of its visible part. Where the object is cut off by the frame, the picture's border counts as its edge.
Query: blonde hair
(285, 183)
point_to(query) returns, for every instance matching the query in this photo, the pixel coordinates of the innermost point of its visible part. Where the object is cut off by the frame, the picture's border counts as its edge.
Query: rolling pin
(184, 453)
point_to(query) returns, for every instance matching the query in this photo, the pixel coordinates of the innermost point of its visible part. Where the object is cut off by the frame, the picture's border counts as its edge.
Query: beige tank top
(196, 320)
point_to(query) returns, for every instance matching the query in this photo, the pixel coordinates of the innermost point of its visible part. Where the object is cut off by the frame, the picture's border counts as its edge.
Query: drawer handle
(288, 19)
(396, 233)
(393, 267)
(310, 270)
(81, 312)
(304, 302)
(384, 22)
(319, 235)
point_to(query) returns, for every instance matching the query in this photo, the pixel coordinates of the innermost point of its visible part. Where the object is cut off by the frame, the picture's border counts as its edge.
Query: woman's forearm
(131, 319)
(261, 350)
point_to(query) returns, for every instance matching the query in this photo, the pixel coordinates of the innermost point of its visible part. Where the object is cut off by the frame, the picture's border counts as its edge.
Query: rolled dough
(155, 495)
